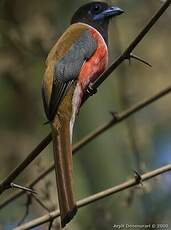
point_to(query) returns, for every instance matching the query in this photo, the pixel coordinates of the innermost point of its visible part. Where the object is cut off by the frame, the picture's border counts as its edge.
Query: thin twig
(133, 56)
(50, 224)
(31, 196)
(32, 184)
(40, 203)
(5, 184)
(28, 203)
(118, 118)
(23, 188)
(98, 196)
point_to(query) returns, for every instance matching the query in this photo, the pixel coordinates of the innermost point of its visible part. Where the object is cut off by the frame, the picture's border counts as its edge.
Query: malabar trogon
(78, 57)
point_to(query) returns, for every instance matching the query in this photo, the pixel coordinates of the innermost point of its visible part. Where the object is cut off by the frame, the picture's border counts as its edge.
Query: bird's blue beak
(109, 13)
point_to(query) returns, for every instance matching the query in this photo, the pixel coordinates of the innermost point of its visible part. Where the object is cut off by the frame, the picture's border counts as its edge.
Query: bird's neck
(101, 28)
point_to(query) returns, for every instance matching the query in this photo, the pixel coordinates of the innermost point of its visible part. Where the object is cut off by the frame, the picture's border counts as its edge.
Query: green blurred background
(28, 29)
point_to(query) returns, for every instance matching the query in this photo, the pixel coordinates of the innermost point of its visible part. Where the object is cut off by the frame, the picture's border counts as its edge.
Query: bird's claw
(90, 90)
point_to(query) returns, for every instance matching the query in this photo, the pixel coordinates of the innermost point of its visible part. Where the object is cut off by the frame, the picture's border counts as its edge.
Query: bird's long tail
(63, 169)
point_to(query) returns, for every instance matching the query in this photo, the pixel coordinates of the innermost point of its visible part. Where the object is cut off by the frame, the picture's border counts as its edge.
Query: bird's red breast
(97, 63)
(91, 69)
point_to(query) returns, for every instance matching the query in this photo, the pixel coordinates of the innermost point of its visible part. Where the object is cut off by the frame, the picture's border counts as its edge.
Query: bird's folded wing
(64, 64)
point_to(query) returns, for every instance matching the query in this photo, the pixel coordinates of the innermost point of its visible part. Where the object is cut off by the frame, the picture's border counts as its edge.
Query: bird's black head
(97, 15)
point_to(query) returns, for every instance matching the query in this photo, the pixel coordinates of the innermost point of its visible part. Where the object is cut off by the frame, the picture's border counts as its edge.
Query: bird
(79, 57)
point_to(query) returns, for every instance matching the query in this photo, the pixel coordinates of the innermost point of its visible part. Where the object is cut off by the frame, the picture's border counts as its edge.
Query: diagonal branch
(5, 184)
(98, 196)
(126, 54)
(115, 120)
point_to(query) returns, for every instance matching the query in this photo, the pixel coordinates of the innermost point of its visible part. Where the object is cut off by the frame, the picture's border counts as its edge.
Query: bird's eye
(96, 9)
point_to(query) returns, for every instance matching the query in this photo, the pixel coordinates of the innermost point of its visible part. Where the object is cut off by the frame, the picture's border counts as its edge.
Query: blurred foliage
(28, 29)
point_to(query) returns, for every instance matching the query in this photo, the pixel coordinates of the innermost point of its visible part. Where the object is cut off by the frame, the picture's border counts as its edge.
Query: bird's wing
(64, 64)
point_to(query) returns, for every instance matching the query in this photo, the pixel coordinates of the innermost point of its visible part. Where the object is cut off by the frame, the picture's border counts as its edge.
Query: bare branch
(126, 54)
(32, 184)
(5, 184)
(28, 204)
(50, 225)
(98, 196)
(40, 203)
(133, 56)
(115, 120)
(12, 185)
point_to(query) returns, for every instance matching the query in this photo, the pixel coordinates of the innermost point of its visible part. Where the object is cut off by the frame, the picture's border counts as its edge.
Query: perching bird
(78, 57)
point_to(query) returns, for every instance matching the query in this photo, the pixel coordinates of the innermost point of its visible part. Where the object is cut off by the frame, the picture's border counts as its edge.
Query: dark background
(28, 29)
